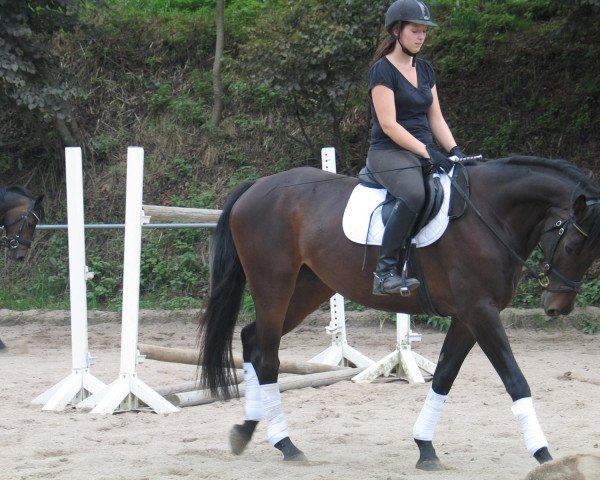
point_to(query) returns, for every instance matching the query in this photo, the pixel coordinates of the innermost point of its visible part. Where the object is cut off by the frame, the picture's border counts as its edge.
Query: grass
(32, 297)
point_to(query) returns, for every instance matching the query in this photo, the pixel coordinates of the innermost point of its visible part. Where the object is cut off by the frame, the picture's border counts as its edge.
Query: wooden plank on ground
(190, 357)
(202, 397)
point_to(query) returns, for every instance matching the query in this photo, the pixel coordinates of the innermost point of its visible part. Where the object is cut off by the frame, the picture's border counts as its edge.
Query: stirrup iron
(404, 290)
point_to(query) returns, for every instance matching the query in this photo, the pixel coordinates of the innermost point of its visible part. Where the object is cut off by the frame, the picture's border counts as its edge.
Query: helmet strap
(407, 51)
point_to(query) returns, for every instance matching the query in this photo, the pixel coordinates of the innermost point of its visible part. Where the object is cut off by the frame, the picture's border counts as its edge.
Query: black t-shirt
(411, 103)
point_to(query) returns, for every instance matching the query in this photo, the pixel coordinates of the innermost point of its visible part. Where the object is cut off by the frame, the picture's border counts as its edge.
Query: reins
(541, 276)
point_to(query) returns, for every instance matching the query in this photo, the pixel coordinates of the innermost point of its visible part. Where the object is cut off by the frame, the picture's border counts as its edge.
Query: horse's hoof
(296, 457)
(543, 455)
(430, 465)
(238, 439)
(291, 453)
(428, 460)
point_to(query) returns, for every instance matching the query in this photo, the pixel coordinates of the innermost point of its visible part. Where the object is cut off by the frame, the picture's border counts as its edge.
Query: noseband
(571, 286)
(12, 242)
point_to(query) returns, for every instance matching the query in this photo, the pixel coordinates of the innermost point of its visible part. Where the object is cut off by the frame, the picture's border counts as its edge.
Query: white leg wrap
(253, 405)
(532, 431)
(428, 418)
(276, 425)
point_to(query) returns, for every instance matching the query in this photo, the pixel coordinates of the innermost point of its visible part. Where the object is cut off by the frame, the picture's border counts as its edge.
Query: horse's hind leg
(309, 293)
(458, 343)
(241, 435)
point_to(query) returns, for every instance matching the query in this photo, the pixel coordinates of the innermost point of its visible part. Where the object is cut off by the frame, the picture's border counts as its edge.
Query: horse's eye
(569, 250)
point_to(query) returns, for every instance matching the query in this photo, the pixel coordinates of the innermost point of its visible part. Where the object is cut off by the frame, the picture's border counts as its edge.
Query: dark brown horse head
(570, 243)
(20, 212)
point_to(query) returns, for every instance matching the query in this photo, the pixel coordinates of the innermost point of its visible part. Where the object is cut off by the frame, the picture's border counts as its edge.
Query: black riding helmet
(412, 11)
(409, 11)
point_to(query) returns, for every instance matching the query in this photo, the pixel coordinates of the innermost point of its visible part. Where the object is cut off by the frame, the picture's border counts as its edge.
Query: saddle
(434, 195)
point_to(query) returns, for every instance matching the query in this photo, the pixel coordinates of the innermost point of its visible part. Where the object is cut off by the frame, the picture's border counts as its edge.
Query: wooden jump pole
(321, 379)
(190, 357)
(181, 214)
(167, 390)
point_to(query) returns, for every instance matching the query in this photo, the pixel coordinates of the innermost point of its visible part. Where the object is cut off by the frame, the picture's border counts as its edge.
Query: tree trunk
(67, 135)
(216, 73)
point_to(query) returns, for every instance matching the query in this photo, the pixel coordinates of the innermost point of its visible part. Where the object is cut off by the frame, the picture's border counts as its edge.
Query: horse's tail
(227, 282)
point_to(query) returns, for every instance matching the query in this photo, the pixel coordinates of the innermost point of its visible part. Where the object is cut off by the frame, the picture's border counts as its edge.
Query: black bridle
(13, 241)
(547, 265)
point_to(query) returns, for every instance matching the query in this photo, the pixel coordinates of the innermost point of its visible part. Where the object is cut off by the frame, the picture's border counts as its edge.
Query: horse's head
(19, 222)
(570, 244)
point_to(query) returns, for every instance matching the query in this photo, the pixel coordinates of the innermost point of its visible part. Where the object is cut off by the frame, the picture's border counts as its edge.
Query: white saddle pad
(365, 200)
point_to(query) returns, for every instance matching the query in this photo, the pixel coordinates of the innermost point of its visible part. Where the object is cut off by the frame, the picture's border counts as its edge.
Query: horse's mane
(7, 192)
(563, 167)
(585, 182)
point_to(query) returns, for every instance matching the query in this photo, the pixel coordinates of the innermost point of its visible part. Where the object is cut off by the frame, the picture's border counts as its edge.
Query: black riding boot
(387, 278)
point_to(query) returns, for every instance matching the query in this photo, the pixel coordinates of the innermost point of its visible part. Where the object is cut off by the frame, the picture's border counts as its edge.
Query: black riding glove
(456, 152)
(439, 160)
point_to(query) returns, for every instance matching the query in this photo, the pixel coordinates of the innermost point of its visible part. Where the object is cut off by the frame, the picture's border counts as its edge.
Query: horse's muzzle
(556, 304)
(18, 254)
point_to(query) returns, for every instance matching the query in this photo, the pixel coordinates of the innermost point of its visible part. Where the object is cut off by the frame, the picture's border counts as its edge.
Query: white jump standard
(128, 392)
(80, 383)
(405, 361)
(339, 353)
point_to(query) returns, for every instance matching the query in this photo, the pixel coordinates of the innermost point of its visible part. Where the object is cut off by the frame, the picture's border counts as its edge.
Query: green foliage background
(514, 77)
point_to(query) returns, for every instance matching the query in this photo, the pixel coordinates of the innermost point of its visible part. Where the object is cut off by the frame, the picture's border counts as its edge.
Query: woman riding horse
(282, 236)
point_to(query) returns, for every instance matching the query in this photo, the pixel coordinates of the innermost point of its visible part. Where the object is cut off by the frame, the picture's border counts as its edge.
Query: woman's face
(412, 36)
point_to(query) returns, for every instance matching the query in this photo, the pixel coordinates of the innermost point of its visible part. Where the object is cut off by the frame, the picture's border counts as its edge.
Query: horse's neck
(5, 206)
(522, 202)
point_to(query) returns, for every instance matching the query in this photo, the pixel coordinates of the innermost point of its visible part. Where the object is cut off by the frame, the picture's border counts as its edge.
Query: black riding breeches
(400, 172)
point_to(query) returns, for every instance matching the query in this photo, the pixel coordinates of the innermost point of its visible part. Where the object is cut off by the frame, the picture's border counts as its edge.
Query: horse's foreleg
(2, 346)
(457, 345)
(492, 339)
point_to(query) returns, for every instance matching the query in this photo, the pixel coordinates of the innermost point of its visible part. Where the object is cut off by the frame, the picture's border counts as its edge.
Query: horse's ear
(590, 174)
(579, 206)
(39, 207)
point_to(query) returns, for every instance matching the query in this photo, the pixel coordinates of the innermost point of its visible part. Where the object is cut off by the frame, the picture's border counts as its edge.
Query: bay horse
(282, 236)
(20, 212)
